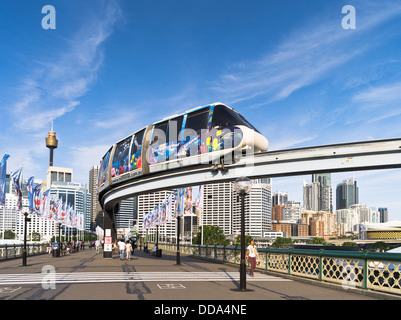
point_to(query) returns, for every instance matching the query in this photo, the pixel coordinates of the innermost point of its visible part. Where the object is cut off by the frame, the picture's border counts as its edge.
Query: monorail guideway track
(353, 156)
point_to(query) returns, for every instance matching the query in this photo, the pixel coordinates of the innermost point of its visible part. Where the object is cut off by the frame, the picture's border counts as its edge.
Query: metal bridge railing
(352, 269)
(10, 251)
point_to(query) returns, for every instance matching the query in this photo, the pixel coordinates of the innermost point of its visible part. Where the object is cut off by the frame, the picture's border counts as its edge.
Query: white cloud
(54, 85)
(306, 56)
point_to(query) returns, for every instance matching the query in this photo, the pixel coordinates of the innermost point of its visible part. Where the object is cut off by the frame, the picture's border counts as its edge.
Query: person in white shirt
(121, 247)
(128, 249)
(251, 254)
(97, 244)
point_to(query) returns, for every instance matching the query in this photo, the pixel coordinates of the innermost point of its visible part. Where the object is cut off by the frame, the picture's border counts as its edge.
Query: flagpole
(4, 226)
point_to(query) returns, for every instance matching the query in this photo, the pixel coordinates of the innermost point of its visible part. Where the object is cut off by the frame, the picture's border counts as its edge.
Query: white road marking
(98, 277)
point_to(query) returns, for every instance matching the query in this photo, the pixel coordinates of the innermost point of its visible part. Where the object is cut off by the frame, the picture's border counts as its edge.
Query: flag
(45, 204)
(16, 176)
(37, 198)
(3, 171)
(29, 187)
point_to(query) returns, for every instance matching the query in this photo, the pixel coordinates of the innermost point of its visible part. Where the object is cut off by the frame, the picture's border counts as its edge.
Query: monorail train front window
(197, 120)
(224, 117)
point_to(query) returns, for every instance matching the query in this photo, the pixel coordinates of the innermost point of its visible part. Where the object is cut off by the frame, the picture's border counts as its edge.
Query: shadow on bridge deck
(86, 275)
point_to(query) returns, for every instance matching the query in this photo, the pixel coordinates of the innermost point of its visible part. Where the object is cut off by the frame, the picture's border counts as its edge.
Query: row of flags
(183, 201)
(41, 203)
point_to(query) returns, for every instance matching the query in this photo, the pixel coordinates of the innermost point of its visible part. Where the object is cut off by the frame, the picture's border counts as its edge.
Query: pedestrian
(121, 247)
(251, 254)
(49, 248)
(128, 249)
(97, 244)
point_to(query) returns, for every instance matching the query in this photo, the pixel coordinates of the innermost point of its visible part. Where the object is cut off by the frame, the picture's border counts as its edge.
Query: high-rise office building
(258, 210)
(325, 201)
(383, 215)
(312, 196)
(96, 209)
(347, 194)
(76, 195)
(292, 212)
(58, 174)
(146, 203)
(126, 216)
(217, 206)
(279, 197)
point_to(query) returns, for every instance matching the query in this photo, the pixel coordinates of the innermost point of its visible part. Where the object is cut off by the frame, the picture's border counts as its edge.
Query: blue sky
(111, 67)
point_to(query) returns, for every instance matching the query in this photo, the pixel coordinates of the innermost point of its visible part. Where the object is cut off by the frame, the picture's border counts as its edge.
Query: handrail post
(320, 264)
(365, 269)
(267, 258)
(289, 260)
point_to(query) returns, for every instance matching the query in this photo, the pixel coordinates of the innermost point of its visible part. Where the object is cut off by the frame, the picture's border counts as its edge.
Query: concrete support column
(110, 233)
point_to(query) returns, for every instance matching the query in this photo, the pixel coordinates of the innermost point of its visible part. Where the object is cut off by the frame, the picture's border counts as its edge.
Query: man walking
(121, 247)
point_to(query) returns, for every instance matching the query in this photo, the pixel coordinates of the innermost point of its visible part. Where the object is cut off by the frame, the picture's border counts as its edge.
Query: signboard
(108, 247)
(107, 240)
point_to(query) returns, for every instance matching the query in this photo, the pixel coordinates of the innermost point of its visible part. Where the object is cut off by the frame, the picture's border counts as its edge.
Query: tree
(318, 241)
(281, 242)
(380, 245)
(349, 244)
(237, 240)
(212, 235)
(8, 234)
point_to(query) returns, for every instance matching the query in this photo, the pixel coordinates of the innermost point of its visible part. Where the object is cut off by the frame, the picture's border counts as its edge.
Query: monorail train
(200, 135)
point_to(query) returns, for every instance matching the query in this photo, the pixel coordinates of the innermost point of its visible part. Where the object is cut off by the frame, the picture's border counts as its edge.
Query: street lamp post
(24, 253)
(178, 257)
(242, 186)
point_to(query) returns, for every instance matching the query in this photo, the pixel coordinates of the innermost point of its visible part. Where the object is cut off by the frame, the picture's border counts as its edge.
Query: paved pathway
(85, 275)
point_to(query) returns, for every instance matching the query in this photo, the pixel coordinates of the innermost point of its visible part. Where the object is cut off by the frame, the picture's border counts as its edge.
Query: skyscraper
(325, 191)
(383, 215)
(347, 194)
(279, 197)
(95, 208)
(258, 210)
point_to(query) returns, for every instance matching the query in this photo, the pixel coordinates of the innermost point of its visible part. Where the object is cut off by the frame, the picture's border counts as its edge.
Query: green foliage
(318, 241)
(212, 235)
(281, 242)
(237, 240)
(380, 245)
(8, 234)
(349, 244)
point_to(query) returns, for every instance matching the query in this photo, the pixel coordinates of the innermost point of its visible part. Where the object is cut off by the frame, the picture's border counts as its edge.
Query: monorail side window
(137, 142)
(159, 135)
(136, 148)
(197, 120)
(174, 129)
(121, 157)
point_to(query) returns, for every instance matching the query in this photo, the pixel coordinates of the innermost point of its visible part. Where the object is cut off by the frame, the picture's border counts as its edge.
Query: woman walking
(251, 253)
(128, 249)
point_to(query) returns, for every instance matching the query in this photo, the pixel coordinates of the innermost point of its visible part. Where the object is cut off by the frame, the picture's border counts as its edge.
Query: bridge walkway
(85, 275)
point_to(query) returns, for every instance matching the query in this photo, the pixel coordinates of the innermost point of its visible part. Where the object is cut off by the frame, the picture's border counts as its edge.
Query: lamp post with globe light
(242, 186)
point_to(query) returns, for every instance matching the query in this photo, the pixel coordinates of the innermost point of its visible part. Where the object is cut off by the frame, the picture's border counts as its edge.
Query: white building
(76, 195)
(348, 220)
(147, 203)
(258, 210)
(292, 212)
(14, 220)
